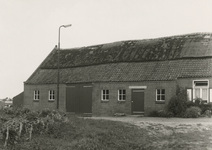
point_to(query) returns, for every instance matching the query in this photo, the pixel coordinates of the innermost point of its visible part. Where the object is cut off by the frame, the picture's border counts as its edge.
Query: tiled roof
(135, 71)
(141, 60)
(160, 49)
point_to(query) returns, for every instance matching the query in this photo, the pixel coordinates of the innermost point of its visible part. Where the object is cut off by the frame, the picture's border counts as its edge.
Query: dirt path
(166, 126)
(191, 133)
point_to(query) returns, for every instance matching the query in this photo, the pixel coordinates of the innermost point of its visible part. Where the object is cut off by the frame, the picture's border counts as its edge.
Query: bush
(22, 123)
(161, 113)
(154, 113)
(198, 102)
(192, 112)
(178, 104)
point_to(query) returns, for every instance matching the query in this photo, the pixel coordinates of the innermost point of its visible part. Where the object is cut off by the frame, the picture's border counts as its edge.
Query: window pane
(163, 97)
(197, 93)
(158, 91)
(124, 91)
(158, 97)
(107, 91)
(204, 94)
(107, 97)
(120, 97)
(103, 91)
(124, 97)
(120, 91)
(103, 97)
(163, 91)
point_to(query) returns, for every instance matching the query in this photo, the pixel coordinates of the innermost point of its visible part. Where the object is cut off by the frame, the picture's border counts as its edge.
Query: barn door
(79, 98)
(72, 99)
(86, 99)
(137, 103)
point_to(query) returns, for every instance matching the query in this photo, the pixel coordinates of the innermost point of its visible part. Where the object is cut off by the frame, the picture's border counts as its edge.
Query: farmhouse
(131, 77)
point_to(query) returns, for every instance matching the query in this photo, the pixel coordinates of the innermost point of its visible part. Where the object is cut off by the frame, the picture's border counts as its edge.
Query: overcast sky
(29, 28)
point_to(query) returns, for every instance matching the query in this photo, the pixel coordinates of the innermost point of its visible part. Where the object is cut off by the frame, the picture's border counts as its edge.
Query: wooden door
(86, 99)
(72, 99)
(137, 101)
(79, 98)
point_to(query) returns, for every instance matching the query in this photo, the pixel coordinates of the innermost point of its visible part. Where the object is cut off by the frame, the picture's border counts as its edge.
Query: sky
(29, 28)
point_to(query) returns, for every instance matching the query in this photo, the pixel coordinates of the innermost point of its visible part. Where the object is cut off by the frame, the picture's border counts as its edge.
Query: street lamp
(58, 64)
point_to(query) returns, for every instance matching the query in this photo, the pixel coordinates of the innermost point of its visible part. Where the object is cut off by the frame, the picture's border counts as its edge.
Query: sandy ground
(165, 121)
(165, 126)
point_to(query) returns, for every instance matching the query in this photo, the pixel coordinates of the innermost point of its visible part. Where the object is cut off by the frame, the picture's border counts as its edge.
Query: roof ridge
(146, 39)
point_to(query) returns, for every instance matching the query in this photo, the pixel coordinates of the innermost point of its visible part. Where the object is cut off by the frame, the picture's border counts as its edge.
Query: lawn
(85, 134)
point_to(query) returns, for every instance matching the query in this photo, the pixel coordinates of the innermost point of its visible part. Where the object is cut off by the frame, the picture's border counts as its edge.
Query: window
(189, 94)
(51, 95)
(160, 94)
(122, 95)
(201, 90)
(105, 95)
(36, 95)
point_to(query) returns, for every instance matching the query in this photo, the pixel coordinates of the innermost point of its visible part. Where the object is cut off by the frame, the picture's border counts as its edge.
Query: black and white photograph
(105, 74)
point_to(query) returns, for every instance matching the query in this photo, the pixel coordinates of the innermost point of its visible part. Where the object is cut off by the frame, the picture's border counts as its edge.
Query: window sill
(50, 100)
(35, 100)
(120, 102)
(159, 102)
(104, 101)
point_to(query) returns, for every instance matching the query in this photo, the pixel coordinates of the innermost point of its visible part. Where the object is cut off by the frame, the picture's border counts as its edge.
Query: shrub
(178, 104)
(20, 124)
(205, 107)
(207, 113)
(45, 112)
(192, 112)
(154, 113)
(198, 102)
(160, 113)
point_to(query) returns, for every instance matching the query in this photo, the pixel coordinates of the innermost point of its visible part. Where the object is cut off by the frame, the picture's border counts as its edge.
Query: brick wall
(100, 108)
(18, 100)
(43, 101)
(187, 83)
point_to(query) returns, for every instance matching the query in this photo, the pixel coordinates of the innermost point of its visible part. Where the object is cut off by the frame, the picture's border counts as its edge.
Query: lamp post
(58, 64)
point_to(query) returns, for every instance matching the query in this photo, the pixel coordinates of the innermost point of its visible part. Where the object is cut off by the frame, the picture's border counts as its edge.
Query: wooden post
(7, 137)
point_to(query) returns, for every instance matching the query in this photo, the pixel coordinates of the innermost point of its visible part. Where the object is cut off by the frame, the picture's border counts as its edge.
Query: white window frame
(36, 94)
(51, 95)
(122, 95)
(210, 96)
(200, 88)
(104, 95)
(161, 100)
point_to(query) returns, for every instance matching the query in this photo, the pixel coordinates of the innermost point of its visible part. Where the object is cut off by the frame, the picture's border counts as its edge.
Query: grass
(85, 134)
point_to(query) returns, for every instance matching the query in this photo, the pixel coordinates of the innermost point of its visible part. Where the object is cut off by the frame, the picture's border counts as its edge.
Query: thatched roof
(138, 60)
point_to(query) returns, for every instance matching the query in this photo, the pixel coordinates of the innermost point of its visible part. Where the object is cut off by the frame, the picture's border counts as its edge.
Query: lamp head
(68, 25)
